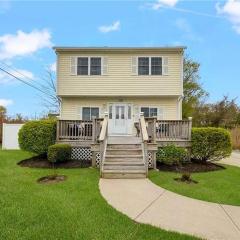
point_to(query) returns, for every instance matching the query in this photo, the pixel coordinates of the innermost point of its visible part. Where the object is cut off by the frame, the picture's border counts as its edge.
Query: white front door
(119, 119)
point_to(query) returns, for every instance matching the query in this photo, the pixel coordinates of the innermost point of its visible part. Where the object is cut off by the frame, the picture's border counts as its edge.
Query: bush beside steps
(59, 153)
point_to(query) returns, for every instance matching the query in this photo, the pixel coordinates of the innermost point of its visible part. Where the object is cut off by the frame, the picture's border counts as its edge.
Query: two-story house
(117, 84)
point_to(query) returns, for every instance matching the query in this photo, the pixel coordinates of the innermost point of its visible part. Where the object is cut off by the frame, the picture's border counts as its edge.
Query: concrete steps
(123, 161)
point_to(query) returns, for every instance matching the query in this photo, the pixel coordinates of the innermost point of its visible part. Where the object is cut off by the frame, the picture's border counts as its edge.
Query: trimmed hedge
(210, 144)
(37, 136)
(172, 155)
(59, 153)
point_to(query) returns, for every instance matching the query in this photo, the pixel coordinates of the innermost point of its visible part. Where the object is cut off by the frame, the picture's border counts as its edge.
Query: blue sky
(209, 29)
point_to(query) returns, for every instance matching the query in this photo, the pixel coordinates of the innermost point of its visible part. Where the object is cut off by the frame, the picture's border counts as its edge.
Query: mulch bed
(192, 167)
(42, 162)
(52, 179)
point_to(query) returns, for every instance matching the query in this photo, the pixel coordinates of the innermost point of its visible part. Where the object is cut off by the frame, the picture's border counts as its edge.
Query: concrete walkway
(234, 159)
(145, 202)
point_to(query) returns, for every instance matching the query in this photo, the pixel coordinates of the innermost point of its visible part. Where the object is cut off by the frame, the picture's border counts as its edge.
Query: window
(143, 66)
(110, 111)
(95, 68)
(149, 66)
(149, 111)
(89, 66)
(89, 112)
(156, 66)
(82, 66)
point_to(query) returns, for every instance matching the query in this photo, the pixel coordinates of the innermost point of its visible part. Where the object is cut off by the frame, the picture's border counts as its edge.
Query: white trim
(179, 108)
(129, 122)
(181, 73)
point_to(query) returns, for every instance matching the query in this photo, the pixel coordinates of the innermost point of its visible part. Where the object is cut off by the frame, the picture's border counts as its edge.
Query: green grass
(221, 186)
(73, 209)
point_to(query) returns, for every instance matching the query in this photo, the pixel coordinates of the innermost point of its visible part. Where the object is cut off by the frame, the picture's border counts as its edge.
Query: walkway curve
(145, 202)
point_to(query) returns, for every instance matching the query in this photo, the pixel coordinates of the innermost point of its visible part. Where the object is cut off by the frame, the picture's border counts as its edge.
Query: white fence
(10, 136)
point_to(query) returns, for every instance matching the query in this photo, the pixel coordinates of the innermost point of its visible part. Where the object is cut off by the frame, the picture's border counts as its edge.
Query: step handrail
(103, 140)
(145, 139)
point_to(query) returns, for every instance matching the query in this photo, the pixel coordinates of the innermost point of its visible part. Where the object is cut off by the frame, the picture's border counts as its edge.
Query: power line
(24, 75)
(27, 83)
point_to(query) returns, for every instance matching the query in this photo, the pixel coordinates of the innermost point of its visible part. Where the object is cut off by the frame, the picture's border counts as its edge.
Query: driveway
(234, 159)
(148, 203)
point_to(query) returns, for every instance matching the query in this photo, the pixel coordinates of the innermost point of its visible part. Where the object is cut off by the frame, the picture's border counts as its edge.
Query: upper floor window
(89, 66)
(143, 66)
(149, 66)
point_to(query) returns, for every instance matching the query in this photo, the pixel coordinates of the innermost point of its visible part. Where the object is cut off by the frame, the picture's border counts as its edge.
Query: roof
(118, 49)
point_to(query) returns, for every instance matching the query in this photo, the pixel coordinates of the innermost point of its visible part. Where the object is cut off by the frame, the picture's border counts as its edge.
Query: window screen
(143, 66)
(156, 66)
(95, 67)
(149, 112)
(88, 113)
(82, 66)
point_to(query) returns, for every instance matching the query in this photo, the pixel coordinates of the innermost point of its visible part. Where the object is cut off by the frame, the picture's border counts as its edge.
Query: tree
(3, 112)
(193, 91)
(50, 99)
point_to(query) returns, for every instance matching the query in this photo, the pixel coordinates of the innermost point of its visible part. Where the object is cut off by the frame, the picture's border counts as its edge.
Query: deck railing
(169, 130)
(81, 130)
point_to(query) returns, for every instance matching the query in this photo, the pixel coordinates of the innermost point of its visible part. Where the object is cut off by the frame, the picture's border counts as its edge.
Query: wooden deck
(153, 134)
(159, 132)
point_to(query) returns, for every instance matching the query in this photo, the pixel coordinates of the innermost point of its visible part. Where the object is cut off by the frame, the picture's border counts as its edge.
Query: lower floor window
(149, 111)
(88, 113)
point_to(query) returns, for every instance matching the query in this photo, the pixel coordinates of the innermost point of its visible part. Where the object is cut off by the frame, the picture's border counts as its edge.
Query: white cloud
(231, 9)
(5, 102)
(183, 25)
(20, 73)
(115, 26)
(22, 43)
(53, 67)
(164, 3)
(4, 6)
(187, 31)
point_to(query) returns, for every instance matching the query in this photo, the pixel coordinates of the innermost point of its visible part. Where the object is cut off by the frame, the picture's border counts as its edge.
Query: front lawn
(222, 186)
(73, 209)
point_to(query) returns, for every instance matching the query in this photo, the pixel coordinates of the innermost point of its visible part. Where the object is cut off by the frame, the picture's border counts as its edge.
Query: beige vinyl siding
(71, 106)
(119, 80)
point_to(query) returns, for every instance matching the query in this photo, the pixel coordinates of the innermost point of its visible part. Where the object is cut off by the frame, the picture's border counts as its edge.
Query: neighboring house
(118, 84)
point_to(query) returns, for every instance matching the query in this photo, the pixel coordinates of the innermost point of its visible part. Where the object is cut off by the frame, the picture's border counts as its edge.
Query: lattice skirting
(98, 159)
(82, 153)
(150, 159)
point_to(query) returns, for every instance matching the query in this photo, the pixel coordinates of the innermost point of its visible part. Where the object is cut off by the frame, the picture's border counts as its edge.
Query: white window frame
(89, 67)
(90, 111)
(150, 65)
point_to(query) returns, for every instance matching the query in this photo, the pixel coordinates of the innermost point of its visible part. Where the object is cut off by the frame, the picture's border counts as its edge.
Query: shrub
(37, 136)
(210, 144)
(59, 153)
(171, 155)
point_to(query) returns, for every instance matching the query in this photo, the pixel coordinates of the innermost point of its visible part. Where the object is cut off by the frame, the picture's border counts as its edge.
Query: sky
(29, 29)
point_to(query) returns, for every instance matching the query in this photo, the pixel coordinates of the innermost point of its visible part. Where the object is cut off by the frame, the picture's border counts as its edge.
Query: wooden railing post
(94, 129)
(190, 129)
(154, 129)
